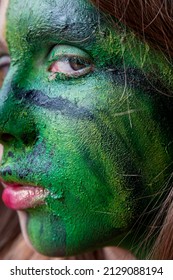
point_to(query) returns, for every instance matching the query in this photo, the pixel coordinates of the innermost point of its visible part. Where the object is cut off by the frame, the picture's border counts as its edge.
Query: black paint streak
(63, 105)
(23, 174)
(137, 79)
(6, 171)
(38, 150)
(10, 154)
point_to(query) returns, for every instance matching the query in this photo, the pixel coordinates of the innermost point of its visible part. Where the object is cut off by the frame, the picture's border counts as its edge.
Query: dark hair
(152, 20)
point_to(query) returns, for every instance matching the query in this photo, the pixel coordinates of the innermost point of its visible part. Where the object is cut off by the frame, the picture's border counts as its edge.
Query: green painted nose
(16, 120)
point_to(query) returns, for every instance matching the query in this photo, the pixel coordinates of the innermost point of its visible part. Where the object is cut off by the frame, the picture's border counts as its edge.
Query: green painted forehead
(53, 20)
(42, 24)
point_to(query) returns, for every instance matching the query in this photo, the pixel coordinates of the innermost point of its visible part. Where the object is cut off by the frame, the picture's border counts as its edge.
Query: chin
(44, 233)
(23, 225)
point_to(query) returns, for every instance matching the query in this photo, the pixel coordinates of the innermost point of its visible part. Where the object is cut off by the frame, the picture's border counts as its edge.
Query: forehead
(39, 19)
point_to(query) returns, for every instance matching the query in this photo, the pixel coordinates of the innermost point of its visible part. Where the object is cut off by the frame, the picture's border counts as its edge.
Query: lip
(20, 197)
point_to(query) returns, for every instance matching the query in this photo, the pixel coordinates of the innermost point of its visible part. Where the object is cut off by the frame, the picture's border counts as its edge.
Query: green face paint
(84, 122)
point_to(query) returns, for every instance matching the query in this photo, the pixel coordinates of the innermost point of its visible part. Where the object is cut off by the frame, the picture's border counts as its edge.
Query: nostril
(6, 137)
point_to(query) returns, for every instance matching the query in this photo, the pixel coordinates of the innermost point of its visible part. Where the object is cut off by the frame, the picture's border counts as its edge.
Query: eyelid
(67, 50)
(67, 57)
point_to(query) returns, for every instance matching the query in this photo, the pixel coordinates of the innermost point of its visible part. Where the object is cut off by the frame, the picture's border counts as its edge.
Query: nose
(16, 119)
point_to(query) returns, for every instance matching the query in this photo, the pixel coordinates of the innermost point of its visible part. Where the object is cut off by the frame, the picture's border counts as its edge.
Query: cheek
(87, 192)
(105, 151)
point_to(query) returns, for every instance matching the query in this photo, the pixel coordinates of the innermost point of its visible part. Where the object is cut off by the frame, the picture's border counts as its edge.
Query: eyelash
(71, 67)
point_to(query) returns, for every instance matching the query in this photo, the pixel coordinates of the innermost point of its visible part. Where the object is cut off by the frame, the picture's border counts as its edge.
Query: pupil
(77, 63)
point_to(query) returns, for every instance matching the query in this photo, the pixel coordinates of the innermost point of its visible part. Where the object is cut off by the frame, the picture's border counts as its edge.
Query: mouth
(20, 197)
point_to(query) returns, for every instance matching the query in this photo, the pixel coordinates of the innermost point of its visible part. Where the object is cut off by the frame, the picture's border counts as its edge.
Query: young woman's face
(85, 127)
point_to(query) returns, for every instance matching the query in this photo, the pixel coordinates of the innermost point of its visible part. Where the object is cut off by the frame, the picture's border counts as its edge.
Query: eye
(4, 66)
(70, 61)
(71, 66)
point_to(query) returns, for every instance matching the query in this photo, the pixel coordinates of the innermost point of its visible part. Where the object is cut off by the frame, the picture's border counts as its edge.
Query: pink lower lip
(19, 197)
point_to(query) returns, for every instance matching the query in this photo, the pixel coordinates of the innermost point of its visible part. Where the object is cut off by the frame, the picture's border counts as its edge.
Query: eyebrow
(67, 33)
(61, 26)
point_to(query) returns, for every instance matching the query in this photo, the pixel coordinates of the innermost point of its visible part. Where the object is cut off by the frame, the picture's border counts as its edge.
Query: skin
(3, 46)
(3, 49)
(99, 140)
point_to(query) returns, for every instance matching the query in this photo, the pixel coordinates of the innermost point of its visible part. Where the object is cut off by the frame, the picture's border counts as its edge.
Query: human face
(86, 133)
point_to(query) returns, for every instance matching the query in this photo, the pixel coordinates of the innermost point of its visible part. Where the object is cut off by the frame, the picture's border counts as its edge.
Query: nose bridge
(15, 116)
(5, 94)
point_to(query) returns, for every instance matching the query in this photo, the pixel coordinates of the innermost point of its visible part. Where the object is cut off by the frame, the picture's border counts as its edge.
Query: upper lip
(20, 197)
(17, 185)
(6, 185)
